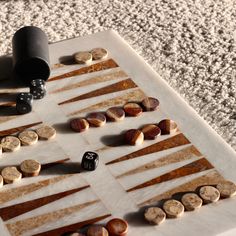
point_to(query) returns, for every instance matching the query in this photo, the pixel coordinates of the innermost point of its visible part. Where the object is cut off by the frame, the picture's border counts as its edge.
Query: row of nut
(190, 202)
(27, 137)
(114, 227)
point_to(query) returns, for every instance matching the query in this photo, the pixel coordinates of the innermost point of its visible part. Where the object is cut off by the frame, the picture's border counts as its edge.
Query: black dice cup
(30, 54)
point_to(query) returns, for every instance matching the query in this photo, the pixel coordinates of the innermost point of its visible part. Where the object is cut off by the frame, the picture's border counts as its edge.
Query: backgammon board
(128, 178)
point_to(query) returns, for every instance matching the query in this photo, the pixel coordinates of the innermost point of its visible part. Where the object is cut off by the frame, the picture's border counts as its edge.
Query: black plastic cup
(30, 54)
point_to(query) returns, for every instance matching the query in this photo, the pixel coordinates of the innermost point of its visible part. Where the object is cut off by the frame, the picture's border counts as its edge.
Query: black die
(90, 161)
(24, 103)
(37, 88)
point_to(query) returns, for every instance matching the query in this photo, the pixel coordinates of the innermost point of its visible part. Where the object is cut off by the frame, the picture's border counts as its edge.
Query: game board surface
(128, 178)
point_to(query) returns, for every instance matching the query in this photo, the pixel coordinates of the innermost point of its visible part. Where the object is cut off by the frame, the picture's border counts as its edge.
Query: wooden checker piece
(117, 227)
(191, 201)
(97, 230)
(133, 109)
(28, 137)
(10, 144)
(150, 104)
(99, 53)
(173, 208)
(209, 194)
(83, 57)
(226, 189)
(96, 119)
(155, 215)
(11, 174)
(167, 126)
(30, 168)
(151, 131)
(115, 114)
(1, 181)
(79, 124)
(74, 234)
(134, 137)
(46, 132)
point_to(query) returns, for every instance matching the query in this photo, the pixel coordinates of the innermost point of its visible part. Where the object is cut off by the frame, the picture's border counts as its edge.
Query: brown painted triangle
(175, 141)
(17, 129)
(211, 178)
(53, 163)
(191, 168)
(104, 65)
(72, 227)
(120, 86)
(10, 212)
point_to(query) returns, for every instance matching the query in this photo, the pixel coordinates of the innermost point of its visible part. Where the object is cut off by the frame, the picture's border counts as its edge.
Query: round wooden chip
(134, 137)
(1, 181)
(97, 230)
(167, 126)
(151, 131)
(117, 227)
(191, 201)
(79, 125)
(97, 119)
(74, 234)
(83, 57)
(46, 132)
(150, 104)
(209, 194)
(11, 174)
(226, 189)
(28, 137)
(173, 208)
(10, 144)
(155, 215)
(133, 109)
(30, 167)
(115, 114)
(99, 53)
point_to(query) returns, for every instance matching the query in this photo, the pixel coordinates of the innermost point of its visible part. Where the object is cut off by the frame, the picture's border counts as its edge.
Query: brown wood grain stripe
(53, 163)
(10, 212)
(17, 129)
(182, 155)
(72, 227)
(104, 65)
(175, 141)
(7, 104)
(211, 178)
(22, 226)
(119, 86)
(191, 168)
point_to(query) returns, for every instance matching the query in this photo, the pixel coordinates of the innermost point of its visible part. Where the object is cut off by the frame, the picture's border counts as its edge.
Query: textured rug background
(190, 43)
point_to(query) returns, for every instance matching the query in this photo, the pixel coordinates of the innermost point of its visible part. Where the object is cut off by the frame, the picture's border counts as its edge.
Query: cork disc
(173, 208)
(117, 226)
(10, 144)
(11, 175)
(226, 189)
(99, 53)
(1, 181)
(134, 137)
(209, 194)
(167, 126)
(151, 132)
(83, 57)
(30, 167)
(28, 137)
(97, 119)
(115, 114)
(97, 230)
(79, 125)
(133, 109)
(155, 215)
(191, 201)
(46, 132)
(150, 104)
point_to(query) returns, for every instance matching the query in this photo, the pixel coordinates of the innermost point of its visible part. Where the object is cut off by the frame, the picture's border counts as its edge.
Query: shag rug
(190, 43)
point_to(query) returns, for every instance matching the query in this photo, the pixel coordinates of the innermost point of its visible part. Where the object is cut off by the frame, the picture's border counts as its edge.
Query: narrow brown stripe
(104, 65)
(120, 86)
(7, 104)
(51, 164)
(17, 129)
(191, 168)
(211, 178)
(10, 212)
(184, 154)
(73, 227)
(175, 141)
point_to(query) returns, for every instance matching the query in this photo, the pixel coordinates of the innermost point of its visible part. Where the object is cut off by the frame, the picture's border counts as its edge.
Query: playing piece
(99, 53)
(38, 83)
(1, 181)
(11, 175)
(191, 201)
(90, 161)
(226, 189)
(155, 215)
(83, 57)
(117, 227)
(10, 144)
(79, 124)
(97, 230)
(0, 149)
(173, 208)
(46, 132)
(28, 137)
(37, 88)
(115, 114)
(133, 109)
(167, 126)
(74, 234)
(134, 137)
(24, 103)
(150, 104)
(97, 119)
(151, 131)
(209, 194)
(30, 168)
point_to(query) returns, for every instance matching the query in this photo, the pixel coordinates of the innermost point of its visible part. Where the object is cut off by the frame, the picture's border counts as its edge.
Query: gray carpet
(190, 43)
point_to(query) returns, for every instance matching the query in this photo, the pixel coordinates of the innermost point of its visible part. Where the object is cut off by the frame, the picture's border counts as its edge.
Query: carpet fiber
(190, 43)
